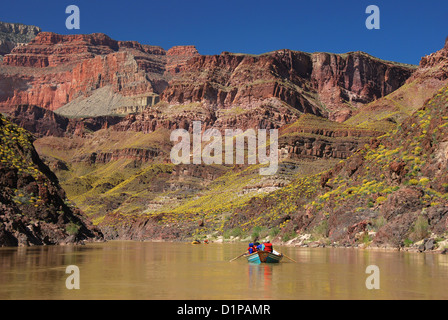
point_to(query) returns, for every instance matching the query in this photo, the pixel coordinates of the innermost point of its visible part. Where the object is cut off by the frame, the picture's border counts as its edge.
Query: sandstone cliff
(178, 56)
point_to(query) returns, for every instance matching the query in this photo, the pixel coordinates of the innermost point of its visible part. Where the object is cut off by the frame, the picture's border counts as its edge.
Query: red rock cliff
(320, 83)
(54, 69)
(178, 56)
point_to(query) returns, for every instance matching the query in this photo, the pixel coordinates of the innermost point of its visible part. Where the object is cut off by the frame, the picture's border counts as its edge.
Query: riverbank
(432, 244)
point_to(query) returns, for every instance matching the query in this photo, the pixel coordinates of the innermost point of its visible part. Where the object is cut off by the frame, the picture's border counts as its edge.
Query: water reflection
(260, 279)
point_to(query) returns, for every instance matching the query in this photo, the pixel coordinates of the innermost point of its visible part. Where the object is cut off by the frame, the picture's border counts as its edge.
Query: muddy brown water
(168, 271)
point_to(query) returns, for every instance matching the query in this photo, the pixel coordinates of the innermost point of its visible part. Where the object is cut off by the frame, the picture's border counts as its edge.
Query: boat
(264, 257)
(199, 242)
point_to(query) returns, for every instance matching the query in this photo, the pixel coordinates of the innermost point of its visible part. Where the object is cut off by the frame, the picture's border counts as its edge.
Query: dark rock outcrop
(33, 207)
(42, 122)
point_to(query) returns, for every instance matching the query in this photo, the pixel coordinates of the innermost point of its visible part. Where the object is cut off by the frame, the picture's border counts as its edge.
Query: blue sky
(409, 29)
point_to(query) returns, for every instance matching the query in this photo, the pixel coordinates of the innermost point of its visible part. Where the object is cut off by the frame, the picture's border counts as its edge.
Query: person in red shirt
(268, 246)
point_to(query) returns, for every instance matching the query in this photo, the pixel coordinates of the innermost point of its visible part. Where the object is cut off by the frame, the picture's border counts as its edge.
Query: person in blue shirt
(251, 248)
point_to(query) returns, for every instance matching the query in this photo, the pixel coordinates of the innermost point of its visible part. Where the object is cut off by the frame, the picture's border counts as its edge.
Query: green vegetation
(321, 230)
(15, 148)
(72, 228)
(420, 229)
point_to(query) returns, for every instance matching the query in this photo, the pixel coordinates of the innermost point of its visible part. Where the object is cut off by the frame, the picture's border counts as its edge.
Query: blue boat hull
(253, 258)
(264, 257)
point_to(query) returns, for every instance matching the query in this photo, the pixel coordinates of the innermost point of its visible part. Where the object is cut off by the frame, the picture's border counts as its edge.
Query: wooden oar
(288, 257)
(238, 257)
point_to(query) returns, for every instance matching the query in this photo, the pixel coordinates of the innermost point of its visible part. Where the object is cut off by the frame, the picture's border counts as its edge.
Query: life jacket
(268, 247)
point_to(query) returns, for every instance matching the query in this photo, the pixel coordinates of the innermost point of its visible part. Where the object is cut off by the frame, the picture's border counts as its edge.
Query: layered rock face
(49, 50)
(153, 120)
(323, 84)
(391, 192)
(178, 56)
(53, 70)
(311, 137)
(137, 154)
(355, 79)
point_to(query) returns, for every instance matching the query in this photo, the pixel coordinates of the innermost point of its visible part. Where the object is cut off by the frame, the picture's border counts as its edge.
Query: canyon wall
(54, 70)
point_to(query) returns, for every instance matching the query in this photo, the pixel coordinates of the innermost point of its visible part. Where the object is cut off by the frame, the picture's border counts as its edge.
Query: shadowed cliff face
(42, 122)
(33, 207)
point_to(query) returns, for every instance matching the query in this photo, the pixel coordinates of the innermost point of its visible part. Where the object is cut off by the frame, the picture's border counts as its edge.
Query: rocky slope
(33, 207)
(121, 168)
(178, 56)
(392, 192)
(42, 122)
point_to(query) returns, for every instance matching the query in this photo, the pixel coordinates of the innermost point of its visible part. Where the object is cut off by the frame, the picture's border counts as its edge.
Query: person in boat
(268, 246)
(255, 247)
(250, 249)
(260, 246)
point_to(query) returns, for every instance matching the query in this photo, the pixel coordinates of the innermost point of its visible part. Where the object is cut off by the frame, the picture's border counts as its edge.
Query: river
(171, 271)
